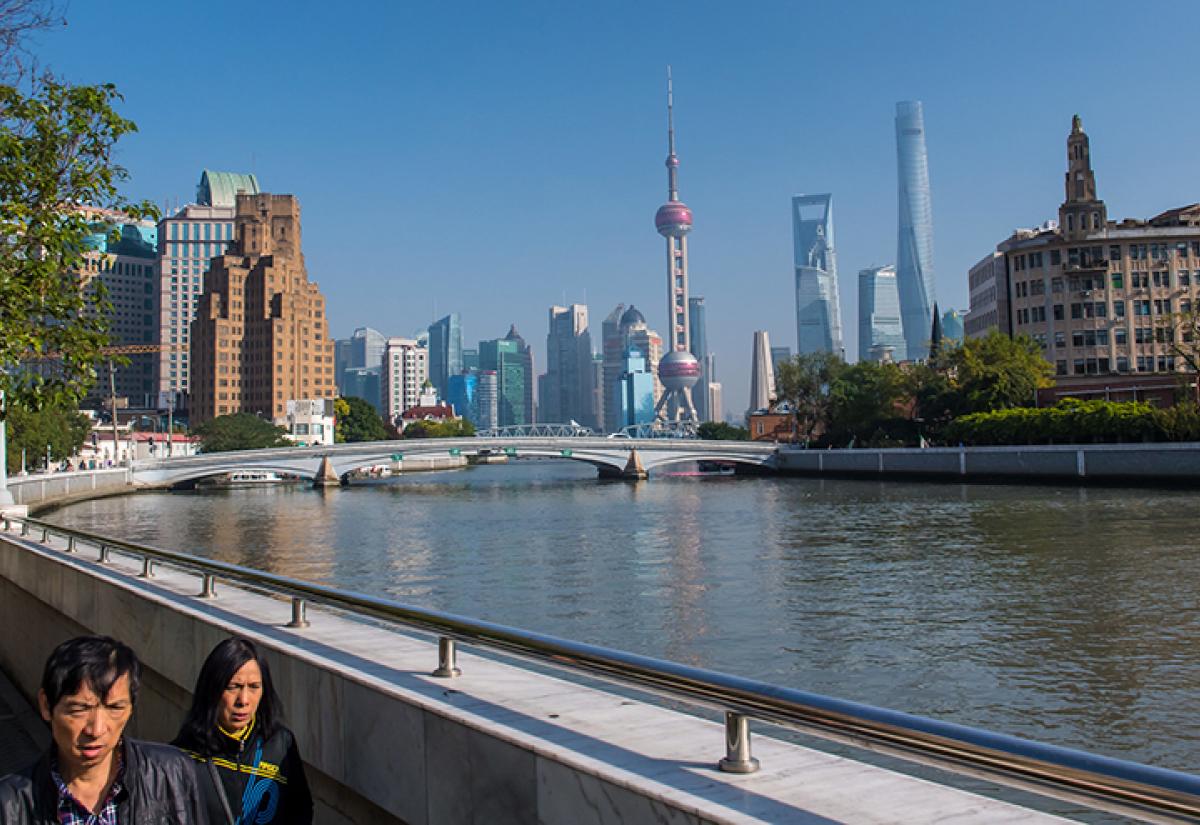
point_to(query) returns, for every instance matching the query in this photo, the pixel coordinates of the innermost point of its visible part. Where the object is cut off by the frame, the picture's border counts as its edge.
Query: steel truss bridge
(653, 429)
(612, 456)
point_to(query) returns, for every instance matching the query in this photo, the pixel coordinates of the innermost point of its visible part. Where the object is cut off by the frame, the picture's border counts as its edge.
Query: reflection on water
(1062, 614)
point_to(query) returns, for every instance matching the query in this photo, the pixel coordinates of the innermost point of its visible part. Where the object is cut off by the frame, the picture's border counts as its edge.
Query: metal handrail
(1129, 788)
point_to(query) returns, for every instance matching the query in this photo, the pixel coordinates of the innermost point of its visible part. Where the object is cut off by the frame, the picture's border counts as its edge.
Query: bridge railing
(1127, 788)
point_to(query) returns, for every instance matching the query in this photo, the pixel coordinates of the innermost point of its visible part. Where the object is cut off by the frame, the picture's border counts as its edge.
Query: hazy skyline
(497, 159)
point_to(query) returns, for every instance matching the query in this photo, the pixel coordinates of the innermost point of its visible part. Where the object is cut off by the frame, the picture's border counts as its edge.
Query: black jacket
(159, 781)
(263, 779)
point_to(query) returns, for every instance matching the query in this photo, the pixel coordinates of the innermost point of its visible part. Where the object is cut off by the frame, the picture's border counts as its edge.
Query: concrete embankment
(1082, 463)
(386, 742)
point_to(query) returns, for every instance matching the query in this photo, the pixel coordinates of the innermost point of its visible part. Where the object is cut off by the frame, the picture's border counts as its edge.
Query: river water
(1061, 614)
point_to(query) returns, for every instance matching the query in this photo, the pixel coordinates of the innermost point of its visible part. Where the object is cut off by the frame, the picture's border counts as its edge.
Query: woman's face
(239, 700)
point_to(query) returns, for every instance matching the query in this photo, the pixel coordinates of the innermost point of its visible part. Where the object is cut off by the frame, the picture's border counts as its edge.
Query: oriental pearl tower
(678, 370)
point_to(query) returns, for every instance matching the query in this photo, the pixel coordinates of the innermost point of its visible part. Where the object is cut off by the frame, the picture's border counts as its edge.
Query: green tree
(720, 431)
(867, 402)
(804, 381)
(239, 431)
(458, 428)
(997, 372)
(56, 161)
(359, 422)
(63, 429)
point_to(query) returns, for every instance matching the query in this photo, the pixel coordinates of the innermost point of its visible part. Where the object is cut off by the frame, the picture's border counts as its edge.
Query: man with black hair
(93, 774)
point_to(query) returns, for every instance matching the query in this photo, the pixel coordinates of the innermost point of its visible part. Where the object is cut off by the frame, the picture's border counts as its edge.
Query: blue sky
(496, 158)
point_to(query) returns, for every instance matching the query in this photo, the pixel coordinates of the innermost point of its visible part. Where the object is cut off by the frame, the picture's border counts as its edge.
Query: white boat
(250, 478)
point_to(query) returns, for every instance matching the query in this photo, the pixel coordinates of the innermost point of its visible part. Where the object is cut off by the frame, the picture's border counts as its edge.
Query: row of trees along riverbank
(982, 391)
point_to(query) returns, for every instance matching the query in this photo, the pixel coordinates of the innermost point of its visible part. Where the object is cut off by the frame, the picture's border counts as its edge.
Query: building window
(1058, 312)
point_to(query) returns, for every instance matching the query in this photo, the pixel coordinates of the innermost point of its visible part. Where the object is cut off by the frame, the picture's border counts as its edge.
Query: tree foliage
(869, 404)
(458, 428)
(239, 431)
(1074, 421)
(995, 372)
(358, 422)
(720, 431)
(804, 381)
(56, 163)
(63, 429)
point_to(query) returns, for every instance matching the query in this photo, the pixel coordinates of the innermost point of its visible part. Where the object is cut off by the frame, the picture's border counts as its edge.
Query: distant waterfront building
(405, 370)
(126, 268)
(625, 329)
(762, 375)
(778, 356)
(566, 388)
(260, 337)
(698, 327)
(364, 383)
(445, 351)
(637, 390)
(1099, 296)
(310, 422)
(714, 401)
(463, 395)
(818, 314)
(188, 241)
(511, 359)
(988, 282)
(914, 250)
(880, 331)
(362, 350)
(952, 327)
(470, 359)
(489, 400)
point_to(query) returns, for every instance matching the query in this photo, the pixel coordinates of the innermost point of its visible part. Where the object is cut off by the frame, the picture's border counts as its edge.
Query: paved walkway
(23, 734)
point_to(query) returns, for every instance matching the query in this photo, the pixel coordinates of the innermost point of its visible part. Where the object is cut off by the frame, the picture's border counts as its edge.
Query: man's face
(87, 727)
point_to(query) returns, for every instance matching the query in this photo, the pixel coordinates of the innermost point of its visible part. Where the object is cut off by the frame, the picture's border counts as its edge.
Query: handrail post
(147, 568)
(299, 613)
(447, 659)
(103, 554)
(737, 745)
(45, 534)
(24, 528)
(70, 544)
(208, 590)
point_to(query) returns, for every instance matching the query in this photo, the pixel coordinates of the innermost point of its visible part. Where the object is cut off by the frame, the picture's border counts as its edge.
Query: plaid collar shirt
(72, 812)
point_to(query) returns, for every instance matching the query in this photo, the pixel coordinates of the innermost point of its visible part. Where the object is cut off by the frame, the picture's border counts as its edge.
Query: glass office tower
(818, 316)
(914, 253)
(445, 352)
(879, 327)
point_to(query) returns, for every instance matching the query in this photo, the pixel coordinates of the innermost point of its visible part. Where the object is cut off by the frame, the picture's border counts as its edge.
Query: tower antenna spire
(672, 160)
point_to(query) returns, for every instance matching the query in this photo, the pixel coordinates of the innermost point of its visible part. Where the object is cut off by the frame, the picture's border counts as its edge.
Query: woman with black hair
(249, 769)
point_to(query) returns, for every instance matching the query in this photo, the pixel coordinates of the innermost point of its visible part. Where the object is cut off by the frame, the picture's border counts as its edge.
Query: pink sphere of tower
(673, 220)
(679, 370)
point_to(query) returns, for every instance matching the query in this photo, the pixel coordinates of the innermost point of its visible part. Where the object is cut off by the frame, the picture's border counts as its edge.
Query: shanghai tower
(914, 251)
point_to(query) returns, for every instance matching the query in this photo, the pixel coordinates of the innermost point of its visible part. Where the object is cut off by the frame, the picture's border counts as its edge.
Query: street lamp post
(6, 499)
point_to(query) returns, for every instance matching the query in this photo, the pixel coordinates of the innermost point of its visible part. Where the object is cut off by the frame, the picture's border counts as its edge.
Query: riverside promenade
(386, 741)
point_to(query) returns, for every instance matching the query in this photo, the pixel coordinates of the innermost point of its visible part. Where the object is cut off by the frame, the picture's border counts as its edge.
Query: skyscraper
(778, 356)
(762, 376)
(188, 241)
(260, 336)
(679, 370)
(126, 269)
(488, 400)
(637, 390)
(512, 361)
(818, 314)
(567, 385)
(405, 370)
(625, 329)
(952, 327)
(445, 351)
(879, 327)
(914, 250)
(463, 394)
(698, 327)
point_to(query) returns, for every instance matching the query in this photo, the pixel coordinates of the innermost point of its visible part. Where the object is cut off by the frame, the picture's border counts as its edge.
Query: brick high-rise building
(260, 337)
